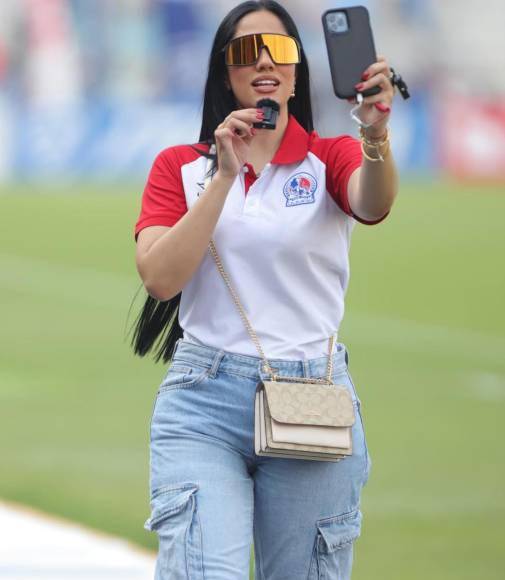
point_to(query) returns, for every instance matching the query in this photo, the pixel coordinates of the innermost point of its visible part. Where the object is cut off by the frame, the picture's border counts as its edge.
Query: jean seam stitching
(340, 518)
(190, 363)
(260, 561)
(252, 377)
(358, 408)
(184, 385)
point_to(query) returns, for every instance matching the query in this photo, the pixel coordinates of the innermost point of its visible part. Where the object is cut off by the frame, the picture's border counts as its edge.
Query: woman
(280, 207)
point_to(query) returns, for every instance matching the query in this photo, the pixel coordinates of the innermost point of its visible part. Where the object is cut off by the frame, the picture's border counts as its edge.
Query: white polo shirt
(283, 238)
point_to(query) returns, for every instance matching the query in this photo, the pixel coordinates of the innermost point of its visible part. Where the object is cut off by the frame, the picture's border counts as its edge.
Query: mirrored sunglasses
(245, 50)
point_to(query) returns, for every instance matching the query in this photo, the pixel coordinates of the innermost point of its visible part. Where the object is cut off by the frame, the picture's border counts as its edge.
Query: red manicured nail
(365, 76)
(359, 86)
(382, 108)
(260, 115)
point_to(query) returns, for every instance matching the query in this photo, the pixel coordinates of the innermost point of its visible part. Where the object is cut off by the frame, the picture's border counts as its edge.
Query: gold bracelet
(380, 141)
(376, 144)
(380, 154)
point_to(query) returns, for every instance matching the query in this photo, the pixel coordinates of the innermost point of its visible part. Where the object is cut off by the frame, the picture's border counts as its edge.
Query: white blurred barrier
(36, 546)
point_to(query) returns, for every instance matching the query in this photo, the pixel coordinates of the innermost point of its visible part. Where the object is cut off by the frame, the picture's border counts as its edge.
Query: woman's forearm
(375, 185)
(173, 258)
(378, 187)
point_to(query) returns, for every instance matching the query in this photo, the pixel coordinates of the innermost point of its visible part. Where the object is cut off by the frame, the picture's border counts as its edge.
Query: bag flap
(310, 403)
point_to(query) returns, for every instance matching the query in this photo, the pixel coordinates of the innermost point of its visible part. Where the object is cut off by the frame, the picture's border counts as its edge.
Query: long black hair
(157, 324)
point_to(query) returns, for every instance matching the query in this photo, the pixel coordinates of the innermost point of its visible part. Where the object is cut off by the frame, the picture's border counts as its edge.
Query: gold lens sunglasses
(245, 50)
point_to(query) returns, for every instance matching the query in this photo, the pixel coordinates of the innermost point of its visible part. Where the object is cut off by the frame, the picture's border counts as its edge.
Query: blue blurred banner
(412, 133)
(119, 139)
(96, 88)
(97, 140)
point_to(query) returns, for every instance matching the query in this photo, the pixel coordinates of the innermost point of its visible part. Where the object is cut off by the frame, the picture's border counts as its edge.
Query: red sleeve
(163, 200)
(342, 156)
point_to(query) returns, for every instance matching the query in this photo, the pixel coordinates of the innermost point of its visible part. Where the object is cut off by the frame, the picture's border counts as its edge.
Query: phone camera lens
(337, 22)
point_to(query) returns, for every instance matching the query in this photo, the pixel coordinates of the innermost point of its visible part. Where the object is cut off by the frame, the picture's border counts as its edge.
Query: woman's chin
(251, 102)
(273, 96)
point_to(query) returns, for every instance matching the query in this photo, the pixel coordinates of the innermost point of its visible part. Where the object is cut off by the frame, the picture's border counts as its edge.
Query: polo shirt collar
(294, 145)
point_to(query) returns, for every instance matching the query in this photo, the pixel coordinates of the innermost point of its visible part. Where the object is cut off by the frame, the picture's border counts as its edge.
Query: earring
(293, 93)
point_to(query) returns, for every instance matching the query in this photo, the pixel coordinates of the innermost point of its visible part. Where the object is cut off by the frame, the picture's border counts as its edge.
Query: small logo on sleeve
(300, 189)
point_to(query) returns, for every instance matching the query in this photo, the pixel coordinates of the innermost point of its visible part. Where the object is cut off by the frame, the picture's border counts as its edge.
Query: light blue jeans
(211, 495)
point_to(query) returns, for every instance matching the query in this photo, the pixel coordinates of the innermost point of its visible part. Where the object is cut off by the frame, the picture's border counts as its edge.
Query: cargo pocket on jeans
(175, 519)
(334, 545)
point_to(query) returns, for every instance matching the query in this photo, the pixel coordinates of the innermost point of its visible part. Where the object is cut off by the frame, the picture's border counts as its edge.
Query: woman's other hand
(376, 109)
(233, 138)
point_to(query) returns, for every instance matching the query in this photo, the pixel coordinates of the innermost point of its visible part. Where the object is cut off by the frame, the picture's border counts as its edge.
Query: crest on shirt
(299, 189)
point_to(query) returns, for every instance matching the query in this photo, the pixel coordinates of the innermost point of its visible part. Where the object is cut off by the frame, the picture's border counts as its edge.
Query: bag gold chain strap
(266, 367)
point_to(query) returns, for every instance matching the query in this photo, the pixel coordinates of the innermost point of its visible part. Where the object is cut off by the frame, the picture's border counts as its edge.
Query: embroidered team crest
(299, 189)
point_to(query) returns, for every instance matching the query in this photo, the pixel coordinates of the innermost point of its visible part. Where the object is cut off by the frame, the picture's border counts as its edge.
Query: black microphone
(397, 80)
(270, 111)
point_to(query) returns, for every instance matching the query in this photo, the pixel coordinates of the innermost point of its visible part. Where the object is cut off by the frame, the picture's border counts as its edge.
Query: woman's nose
(264, 58)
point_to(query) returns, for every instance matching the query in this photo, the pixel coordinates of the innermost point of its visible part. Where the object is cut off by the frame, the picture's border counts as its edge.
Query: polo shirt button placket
(253, 200)
(251, 206)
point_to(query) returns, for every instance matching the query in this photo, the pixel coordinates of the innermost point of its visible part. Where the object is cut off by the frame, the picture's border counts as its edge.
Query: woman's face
(241, 78)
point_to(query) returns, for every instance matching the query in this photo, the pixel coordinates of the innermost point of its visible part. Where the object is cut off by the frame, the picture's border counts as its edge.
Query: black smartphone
(351, 49)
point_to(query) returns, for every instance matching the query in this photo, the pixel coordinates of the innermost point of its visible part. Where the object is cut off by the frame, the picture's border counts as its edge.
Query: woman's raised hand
(376, 109)
(233, 138)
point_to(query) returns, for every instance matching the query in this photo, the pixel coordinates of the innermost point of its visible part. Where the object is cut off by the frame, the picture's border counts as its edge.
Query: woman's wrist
(224, 179)
(374, 134)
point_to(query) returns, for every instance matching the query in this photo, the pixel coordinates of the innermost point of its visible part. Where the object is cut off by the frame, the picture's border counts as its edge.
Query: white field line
(38, 546)
(486, 386)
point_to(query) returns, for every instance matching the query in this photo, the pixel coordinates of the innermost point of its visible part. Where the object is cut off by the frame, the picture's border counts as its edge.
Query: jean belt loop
(215, 363)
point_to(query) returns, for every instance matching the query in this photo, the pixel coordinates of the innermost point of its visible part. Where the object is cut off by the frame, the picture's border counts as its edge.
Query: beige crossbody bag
(296, 417)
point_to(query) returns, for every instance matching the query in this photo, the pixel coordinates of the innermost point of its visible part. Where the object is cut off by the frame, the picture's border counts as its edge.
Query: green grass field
(424, 326)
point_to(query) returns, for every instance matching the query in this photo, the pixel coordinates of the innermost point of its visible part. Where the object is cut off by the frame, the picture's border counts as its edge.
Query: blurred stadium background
(90, 92)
